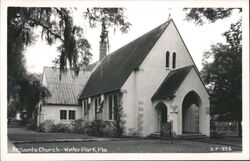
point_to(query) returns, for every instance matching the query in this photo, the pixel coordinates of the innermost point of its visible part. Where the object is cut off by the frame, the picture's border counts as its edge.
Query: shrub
(46, 126)
(31, 124)
(118, 121)
(108, 130)
(70, 127)
(96, 128)
(133, 133)
(80, 126)
(61, 127)
(104, 128)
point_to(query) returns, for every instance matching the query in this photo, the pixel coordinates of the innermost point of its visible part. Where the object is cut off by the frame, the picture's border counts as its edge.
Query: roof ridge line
(141, 36)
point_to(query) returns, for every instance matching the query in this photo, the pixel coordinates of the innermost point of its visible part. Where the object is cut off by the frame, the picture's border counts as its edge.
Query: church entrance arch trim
(191, 109)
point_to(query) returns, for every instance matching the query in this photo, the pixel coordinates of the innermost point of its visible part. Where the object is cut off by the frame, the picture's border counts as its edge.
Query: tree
(224, 73)
(57, 27)
(29, 94)
(21, 24)
(107, 18)
(201, 15)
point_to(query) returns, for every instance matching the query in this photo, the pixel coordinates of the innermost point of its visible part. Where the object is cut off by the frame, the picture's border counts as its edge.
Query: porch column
(174, 117)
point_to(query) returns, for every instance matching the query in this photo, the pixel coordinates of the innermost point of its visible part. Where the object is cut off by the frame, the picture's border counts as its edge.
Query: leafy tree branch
(211, 15)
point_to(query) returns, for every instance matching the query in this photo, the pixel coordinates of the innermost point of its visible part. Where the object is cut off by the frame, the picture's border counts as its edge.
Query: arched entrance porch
(191, 113)
(162, 114)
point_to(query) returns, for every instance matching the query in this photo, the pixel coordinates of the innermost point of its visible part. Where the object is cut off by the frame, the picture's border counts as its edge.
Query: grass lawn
(124, 145)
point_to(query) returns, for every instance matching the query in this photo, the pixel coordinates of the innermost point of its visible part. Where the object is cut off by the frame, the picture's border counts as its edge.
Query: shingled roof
(171, 83)
(66, 91)
(114, 70)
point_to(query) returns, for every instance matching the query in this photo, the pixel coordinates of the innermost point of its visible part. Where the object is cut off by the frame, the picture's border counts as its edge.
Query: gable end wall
(192, 83)
(151, 74)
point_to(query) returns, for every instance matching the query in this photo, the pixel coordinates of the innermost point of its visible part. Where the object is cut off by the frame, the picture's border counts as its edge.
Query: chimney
(103, 50)
(104, 40)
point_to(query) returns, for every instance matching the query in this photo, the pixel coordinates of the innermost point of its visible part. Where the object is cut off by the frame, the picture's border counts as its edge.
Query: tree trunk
(239, 129)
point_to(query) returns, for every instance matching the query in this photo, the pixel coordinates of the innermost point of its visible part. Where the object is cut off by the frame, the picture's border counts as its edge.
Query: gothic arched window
(174, 60)
(167, 59)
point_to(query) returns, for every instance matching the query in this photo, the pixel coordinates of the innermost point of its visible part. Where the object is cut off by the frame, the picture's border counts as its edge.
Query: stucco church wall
(52, 112)
(129, 100)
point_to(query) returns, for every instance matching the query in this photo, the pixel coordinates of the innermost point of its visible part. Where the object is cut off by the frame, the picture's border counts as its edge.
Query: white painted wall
(141, 85)
(52, 112)
(129, 101)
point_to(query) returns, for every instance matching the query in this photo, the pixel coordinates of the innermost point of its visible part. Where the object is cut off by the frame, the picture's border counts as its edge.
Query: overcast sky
(197, 38)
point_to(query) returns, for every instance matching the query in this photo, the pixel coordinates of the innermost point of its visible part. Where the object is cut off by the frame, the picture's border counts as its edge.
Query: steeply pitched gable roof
(171, 83)
(66, 91)
(114, 70)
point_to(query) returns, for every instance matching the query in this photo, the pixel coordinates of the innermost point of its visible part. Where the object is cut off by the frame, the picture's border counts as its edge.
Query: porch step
(191, 136)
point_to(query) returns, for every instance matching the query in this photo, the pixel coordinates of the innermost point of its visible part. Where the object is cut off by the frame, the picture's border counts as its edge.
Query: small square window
(63, 114)
(72, 114)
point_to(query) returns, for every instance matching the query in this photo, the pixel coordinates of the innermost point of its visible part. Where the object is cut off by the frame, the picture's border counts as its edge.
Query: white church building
(153, 78)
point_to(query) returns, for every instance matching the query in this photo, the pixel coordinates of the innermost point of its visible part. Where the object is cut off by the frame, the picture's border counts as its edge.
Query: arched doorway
(190, 113)
(162, 114)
